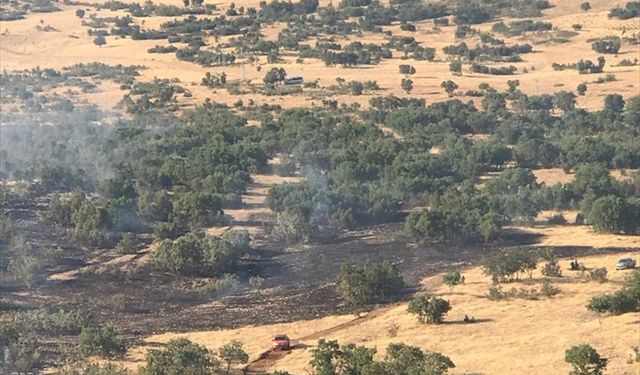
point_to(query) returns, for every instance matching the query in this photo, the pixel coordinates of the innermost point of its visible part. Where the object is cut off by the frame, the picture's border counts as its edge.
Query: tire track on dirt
(269, 358)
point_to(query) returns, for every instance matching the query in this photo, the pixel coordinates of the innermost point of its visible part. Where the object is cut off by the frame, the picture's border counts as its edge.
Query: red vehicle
(281, 342)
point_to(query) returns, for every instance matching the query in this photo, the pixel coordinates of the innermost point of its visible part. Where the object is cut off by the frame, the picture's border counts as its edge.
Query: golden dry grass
(25, 47)
(519, 336)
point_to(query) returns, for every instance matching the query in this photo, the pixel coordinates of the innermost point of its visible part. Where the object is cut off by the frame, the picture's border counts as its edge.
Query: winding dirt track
(270, 357)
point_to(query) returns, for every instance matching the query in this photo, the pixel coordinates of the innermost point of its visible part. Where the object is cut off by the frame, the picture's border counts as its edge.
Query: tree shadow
(462, 321)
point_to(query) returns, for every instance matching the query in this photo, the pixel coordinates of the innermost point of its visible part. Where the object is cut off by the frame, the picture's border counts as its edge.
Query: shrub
(180, 356)
(548, 290)
(407, 70)
(128, 244)
(100, 40)
(101, 341)
(233, 352)
(599, 274)
(27, 269)
(557, 219)
(94, 369)
(195, 253)
(631, 10)
(227, 284)
(611, 214)
(405, 359)
(393, 329)
(373, 283)
(496, 293)
(552, 269)
(430, 309)
(22, 355)
(581, 89)
(256, 282)
(508, 265)
(611, 46)
(622, 301)
(585, 360)
(452, 279)
(407, 85)
(450, 87)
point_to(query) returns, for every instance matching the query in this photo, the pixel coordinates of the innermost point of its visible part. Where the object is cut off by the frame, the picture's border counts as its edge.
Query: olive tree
(430, 309)
(585, 360)
(233, 352)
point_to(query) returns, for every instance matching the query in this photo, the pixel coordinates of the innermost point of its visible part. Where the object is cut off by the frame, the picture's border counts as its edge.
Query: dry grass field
(25, 47)
(510, 337)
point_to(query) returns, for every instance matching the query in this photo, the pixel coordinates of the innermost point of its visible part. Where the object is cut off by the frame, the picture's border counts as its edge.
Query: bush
(599, 274)
(622, 301)
(180, 356)
(128, 244)
(233, 352)
(22, 355)
(197, 254)
(611, 214)
(226, 285)
(100, 341)
(452, 279)
(430, 309)
(393, 329)
(581, 89)
(557, 219)
(373, 283)
(27, 269)
(548, 290)
(611, 46)
(507, 266)
(552, 269)
(94, 369)
(256, 282)
(405, 359)
(585, 360)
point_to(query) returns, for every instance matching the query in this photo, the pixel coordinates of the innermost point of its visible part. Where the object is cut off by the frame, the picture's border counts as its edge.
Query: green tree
(372, 283)
(586, 6)
(610, 46)
(80, 13)
(100, 40)
(274, 76)
(28, 269)
(405, 359)
(407, 85)
(430, 309)
(100, 341)
(197, 254)
(407, 70)
(508, 265)
(449, 87)
(455, 67)
(614, 103)
(179, 357)
(233, 352)
(585, 360)
(451, 279)
(611, 214)
(581, 89)
(564, 100)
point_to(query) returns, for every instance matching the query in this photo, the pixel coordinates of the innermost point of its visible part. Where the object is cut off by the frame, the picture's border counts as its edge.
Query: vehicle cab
(281, 342)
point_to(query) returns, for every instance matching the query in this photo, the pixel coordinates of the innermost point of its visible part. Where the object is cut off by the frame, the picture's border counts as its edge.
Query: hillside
(513, 336)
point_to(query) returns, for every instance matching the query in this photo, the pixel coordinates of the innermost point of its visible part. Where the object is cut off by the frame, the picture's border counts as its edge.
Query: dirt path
(270, 358)
(254, 211)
